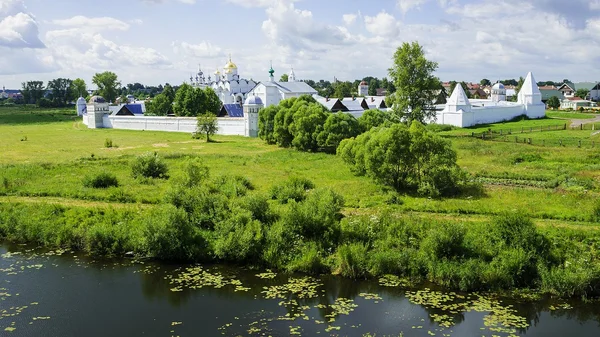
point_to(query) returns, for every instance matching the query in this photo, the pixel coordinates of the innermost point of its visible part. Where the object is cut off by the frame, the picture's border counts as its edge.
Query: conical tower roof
(530, 87)
(458, 97)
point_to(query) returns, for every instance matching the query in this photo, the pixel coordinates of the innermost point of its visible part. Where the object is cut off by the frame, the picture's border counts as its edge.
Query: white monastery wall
(227, 126)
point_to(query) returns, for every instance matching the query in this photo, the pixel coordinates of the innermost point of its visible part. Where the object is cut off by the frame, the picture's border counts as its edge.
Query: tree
(32, 91)
(79, 88)
(405, 158)
(284, 78)
(338, 126)
(208, 125)
(169, 92)
(190, 101)
(373, 118)
(413, 78)
(108, 85)
(553, 102)
(62, 91)
(342, 89)
(160, 106)
(582, 93)
(212, 103)
(485, 82)
(373, 87)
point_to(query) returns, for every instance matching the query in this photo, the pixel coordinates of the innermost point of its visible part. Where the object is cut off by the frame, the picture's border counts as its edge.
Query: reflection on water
(54, 293)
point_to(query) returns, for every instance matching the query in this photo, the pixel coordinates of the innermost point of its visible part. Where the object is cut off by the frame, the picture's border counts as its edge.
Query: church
(272, 92)
(463, 112)
(227, 84)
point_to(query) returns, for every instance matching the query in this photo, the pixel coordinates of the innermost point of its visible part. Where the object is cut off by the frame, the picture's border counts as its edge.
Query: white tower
(363, 89)
(97, 108)
(458, 101)
(251, 107)
(498, 92)
(292, 76)
(81, 107)
(531, 98)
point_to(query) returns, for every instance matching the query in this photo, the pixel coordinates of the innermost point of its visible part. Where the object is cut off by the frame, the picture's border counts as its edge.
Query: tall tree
(62, 91)
(32, 91)
(212, 102)
(169, 92)
(79, 88)
(416, 85)
(373, 87)
(342, 89)
(485, 82)
(108, 85)
(284, 78)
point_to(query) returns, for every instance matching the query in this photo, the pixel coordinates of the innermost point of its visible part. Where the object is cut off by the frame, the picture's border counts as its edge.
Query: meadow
(45, 156)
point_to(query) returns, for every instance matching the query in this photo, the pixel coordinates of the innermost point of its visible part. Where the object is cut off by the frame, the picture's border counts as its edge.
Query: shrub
(101, 180)
(351, 260)
(293, 189)
(239, 238)
(445, 242)
(149, 165)
(596, 212)
(195, 172)
(108, 143)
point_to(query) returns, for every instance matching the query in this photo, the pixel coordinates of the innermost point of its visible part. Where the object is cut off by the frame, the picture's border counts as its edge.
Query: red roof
(547, 87)
(575, 98)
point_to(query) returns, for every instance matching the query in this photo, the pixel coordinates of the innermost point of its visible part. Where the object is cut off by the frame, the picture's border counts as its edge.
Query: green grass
(569, 115)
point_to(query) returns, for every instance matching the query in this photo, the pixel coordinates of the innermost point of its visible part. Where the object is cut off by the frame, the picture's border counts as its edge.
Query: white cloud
(204, 49)
(18, 28)
(383, 24)
(407, 5)
(349, 19)
(99, 23)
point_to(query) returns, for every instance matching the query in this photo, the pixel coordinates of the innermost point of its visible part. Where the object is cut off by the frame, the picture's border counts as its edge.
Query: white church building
(227, 84)
(462, 112)
(272, 92)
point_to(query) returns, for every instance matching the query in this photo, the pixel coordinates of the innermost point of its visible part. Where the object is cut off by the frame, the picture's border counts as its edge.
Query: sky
(163, 41)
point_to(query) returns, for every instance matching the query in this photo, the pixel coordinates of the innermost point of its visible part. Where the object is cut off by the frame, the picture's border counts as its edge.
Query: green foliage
(161, 105)
(373, 118)
(405, 159)
(149, 165)
(553, 102)
(207, 125)
(416, 86)
(62, 91)
(582, 93)
(596, 212)
(351, 260)
(79, 88)
(32, 91)
(108, 85)
(101, 180)
(108, 143)
(266, 124)
(338, 126)
(192, 102)
(293, 189)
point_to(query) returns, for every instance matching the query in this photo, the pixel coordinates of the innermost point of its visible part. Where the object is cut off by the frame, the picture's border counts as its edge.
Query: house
(548, 91)
(569, 89)
(381, 92)
(272, 92)
(478, 93)
(331, 104)
(575, 103)
(376, 102)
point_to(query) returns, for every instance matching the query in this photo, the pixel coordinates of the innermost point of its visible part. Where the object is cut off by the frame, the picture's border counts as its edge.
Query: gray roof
(353, 105)
(580, 85)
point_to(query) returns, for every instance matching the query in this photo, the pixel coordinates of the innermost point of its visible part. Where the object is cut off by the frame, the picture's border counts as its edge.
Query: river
(58, 293)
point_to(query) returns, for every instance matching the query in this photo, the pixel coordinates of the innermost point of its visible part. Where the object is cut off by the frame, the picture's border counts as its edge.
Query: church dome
(96, 99)
(498, 86)
(253, 100)
(230, 65)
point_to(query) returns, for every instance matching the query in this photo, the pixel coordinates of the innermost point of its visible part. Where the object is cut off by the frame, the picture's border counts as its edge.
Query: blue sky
(158, 41)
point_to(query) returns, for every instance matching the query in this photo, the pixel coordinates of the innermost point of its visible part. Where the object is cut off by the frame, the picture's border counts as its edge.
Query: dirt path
(577, 122)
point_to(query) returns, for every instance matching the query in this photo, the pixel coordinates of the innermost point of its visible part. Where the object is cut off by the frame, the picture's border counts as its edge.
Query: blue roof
(234, 110)
(136, 109)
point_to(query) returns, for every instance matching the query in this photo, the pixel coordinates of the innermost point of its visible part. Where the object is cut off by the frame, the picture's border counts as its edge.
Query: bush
(596, 212)
(108, 143)
(101, 180)
(351, 260)
(149, 165)
(445, 242)
(293, 189)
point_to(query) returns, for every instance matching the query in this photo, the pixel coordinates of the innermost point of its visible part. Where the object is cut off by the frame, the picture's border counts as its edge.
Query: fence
(558, 142)
(494, 133)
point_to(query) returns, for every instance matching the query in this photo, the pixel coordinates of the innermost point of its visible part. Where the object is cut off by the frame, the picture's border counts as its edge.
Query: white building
(363, 89)
(272, 92)
(462, 112)
(227, 84)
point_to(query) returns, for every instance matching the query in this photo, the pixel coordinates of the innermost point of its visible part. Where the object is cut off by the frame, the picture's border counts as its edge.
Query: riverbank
(303, 212)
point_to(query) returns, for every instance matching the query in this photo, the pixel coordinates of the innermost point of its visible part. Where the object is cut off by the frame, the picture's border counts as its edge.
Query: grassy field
(46, 154)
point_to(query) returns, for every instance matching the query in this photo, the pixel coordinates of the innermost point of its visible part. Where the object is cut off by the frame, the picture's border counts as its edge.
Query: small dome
(253, 100)
(498, 86)
(230, 65)
(97, 99)
(363, 83)
(81, 100)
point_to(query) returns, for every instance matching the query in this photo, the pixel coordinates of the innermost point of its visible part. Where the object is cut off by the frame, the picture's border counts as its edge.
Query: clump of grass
(149, 165)
(108, 143)
(24, 138)
(101, 180)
